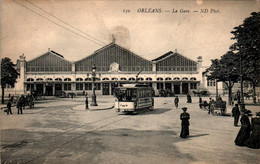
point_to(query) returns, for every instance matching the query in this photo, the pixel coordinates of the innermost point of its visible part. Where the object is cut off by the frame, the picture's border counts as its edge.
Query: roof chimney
(114, 39)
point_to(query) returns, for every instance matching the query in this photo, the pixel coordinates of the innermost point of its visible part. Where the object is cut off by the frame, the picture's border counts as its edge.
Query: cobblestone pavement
(62, 131)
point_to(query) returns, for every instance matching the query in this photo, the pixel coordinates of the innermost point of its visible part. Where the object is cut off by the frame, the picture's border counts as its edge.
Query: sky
(30, 27)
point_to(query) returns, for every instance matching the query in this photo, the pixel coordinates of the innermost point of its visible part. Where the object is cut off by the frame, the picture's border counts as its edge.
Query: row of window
(160, 86)
(114, 79)
(211, 83)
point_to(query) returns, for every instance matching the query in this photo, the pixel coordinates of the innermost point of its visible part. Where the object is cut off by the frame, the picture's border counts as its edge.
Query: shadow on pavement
(198, 135)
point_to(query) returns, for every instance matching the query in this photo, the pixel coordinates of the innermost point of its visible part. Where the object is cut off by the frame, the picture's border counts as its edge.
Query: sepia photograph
(130, 82)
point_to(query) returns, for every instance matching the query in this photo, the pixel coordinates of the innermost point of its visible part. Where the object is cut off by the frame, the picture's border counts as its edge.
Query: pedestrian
(244, 132)
(184, 123)
(19, 107)
(210, 102)
(176, 101)
(9, 105)
(200, 102)
(254, 140)
(86, 102)
(235, 114)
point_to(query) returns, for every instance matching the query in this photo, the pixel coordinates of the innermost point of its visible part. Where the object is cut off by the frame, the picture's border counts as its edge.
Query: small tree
(225, 70)
(8, 74)
(247, 46)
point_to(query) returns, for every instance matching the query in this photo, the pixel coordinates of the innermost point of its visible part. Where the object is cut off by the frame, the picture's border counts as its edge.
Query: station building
(50, 73)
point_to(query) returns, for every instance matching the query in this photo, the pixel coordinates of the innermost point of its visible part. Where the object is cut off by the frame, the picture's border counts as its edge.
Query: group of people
(21, 103)
(249, 133)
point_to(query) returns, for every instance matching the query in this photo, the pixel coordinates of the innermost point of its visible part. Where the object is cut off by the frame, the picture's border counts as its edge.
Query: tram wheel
(151, 108)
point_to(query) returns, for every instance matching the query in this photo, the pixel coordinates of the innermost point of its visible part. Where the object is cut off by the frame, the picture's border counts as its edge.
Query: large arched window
(114, 78)
(67, 79)
(131, 79)
(140, 79)
(168, 78)
(30, 79)
(185, 78)
(105, 79)
(49, 79)
(123, 78)
(58, 79)
(159, 79)
(39, 79)
(79, 79)
(88, 79)
(148, 79)
(176, 78)
(193, 78)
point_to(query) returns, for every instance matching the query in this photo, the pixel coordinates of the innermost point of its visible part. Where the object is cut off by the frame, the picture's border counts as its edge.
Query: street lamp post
(242, 105)
(94, 97)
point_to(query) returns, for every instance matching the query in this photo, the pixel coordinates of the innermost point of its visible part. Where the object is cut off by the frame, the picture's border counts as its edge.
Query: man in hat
(235, 114)
(184, 123)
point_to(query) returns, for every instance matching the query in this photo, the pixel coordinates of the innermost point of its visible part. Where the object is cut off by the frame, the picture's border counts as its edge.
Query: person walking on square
(86, 102)
(235, 114)
(200, 102)
(9, 105)
(20, 107)
(176, 101)
(184, 123)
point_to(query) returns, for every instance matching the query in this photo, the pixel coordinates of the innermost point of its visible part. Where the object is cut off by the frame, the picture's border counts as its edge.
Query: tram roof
(134, 85)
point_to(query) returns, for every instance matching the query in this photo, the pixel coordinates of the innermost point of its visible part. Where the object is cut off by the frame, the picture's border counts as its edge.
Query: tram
(133, 97)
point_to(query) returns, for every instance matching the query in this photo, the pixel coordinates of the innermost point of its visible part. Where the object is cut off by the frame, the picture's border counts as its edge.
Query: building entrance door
(185, 88)
(58, 89)
(176, 88)
(48, 90)
(39, 89)
(105, 87)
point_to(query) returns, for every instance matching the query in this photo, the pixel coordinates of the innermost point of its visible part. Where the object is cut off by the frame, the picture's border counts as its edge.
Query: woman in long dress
(254, 140)
(184, 123)
(244, 132)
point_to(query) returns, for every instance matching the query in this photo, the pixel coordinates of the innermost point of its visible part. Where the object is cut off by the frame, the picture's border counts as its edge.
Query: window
(79, 86)
(168, 78)
(67, 87)
(79, 79)
(123, 78)
(159, 86)
(88, 86)
(131, 79)
(30, 79)
(185, 78)
(140, 79)
(98, 86)
(114, 78)
(160, 79)
(149, 79)
(211, 83)
(88, 79)
(193, 78)
(30, 87)
(39, 79)
(105, 78)
(58, 79)
(176, 78)
(67, 79)
(49, 79)
(193, 85)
